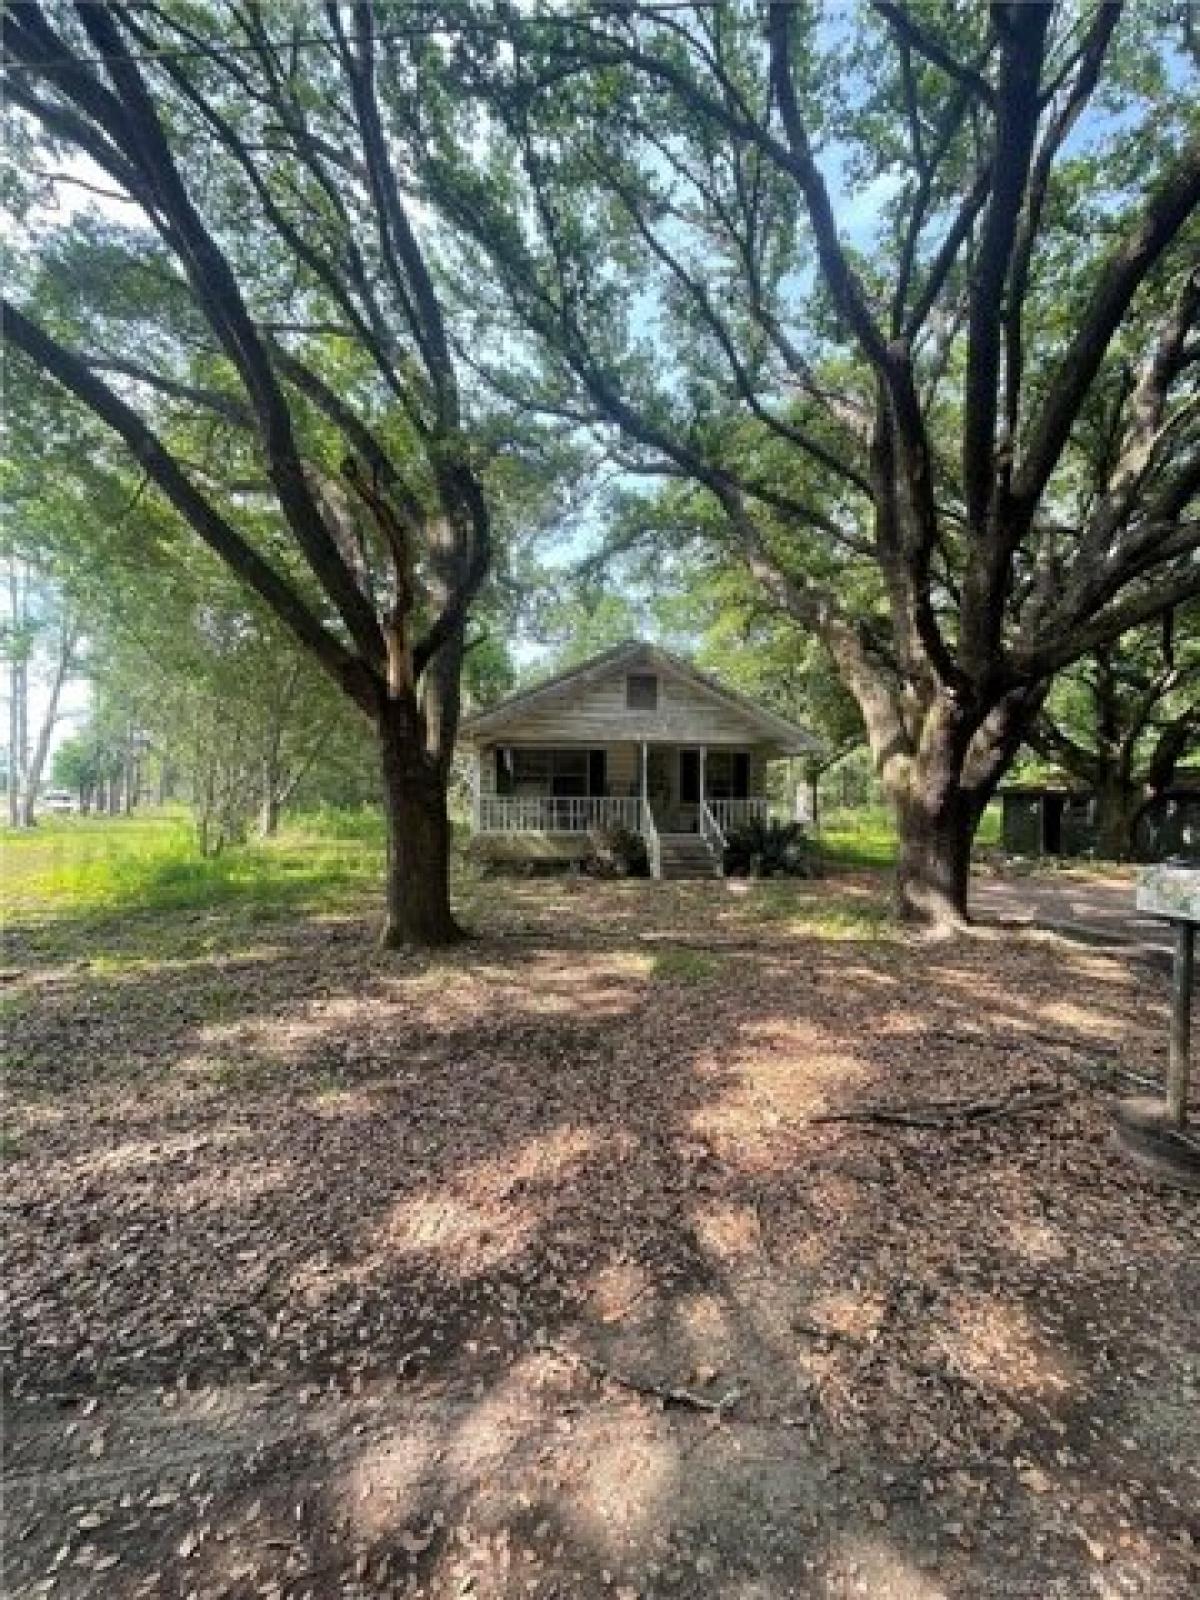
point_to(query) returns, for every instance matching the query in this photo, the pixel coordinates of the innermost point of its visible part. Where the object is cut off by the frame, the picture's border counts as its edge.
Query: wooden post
(1181, 1023)
(645, 773)
(703, 775)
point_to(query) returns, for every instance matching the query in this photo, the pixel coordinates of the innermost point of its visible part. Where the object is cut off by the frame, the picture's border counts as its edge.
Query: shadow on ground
(533, 1272)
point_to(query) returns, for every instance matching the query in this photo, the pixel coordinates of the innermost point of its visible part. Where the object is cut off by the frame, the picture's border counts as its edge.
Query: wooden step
(687, 855)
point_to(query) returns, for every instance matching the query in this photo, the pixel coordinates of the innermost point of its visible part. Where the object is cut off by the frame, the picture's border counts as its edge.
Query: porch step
(687, 855)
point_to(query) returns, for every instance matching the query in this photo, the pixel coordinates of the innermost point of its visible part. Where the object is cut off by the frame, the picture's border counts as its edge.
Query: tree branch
(72, 374)
(1163, 215)
(924, 43)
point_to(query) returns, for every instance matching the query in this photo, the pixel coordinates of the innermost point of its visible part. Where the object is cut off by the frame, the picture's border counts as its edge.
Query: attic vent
(641, 692)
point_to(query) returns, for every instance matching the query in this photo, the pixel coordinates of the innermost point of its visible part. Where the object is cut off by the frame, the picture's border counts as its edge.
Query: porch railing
(556, 813)
(731, 814)
(653, 844)
(711, 831)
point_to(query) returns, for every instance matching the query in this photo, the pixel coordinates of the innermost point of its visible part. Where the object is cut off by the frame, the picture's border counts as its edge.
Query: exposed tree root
(670, 1395)
(946, 1115)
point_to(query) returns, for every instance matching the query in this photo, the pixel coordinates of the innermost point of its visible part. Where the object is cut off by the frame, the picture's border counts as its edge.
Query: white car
(57, 802)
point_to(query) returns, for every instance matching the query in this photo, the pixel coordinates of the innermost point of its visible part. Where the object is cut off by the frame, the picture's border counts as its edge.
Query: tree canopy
(265, 334)
(868, 292)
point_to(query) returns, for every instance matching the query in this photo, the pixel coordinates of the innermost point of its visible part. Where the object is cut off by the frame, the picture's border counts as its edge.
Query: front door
(687, 811)
(597, 773)
(689, 777)
(658, 784)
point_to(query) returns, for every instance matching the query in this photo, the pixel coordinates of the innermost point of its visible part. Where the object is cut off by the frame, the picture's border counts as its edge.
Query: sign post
(1155, 1132)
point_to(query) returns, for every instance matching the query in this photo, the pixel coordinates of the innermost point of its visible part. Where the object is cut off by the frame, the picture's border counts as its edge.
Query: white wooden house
(634, 738)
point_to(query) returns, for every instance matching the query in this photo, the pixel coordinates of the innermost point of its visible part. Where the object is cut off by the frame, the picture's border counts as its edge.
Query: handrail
(653, 843)
(711, 830)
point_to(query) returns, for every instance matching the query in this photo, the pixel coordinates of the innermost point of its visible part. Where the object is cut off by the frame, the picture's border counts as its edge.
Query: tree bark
(940, 791)
(268, 805)
(18, 692)
(268, 810)
(1119, 804)
(933, 869)
(15, 753)
(418, 838)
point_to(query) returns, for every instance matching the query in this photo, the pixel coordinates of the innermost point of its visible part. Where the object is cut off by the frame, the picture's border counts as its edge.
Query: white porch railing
(711, 831)
(556, 814)
(731, 814)
(653, 844)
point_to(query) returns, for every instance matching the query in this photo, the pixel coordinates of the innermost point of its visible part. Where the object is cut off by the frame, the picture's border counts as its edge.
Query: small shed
(1056, 819)
(1047, 820)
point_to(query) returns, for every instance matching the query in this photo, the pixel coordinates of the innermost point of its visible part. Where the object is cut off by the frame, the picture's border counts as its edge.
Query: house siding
(596, 714)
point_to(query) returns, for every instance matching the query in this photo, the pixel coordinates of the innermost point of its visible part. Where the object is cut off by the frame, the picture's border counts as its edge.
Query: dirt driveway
(589, 1263)
(1097, 907)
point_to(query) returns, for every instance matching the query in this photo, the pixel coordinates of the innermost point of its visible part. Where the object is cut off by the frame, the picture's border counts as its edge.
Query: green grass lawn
(105, 868)
(102, 867)
(131, 889)
(867, 837)
(72, 875)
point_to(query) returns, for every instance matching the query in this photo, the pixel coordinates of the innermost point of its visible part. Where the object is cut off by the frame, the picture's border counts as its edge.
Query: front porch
(667, 793)
(585, 814)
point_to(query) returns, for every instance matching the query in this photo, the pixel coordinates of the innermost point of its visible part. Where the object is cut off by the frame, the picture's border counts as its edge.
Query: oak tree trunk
(1119, 804)
(933, 869)
(418, 841)
(940, 792)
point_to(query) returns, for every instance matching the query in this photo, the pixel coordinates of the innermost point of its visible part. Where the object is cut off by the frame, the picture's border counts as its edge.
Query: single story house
(633, 738)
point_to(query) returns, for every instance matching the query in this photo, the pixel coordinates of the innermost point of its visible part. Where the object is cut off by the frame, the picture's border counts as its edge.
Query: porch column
(703, 793)
(645, 774)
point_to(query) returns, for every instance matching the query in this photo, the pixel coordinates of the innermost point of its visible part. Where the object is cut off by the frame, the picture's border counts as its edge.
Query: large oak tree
(278, 301)
(679, 206)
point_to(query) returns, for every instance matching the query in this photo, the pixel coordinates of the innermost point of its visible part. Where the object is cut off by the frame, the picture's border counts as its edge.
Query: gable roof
(633, 655)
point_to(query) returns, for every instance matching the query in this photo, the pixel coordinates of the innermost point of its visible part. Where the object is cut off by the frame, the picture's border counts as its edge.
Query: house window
(727, 775)
(542, 772)
(641, 692)
(568, 772)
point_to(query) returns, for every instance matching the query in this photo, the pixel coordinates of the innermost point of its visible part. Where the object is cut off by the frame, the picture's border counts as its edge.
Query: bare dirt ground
(1096, 906)
(533, 1272)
